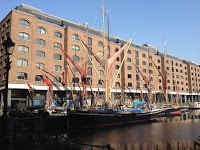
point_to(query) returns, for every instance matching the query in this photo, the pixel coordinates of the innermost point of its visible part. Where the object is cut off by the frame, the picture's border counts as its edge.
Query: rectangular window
(128, 59)
(137, 61)
(89, 71)
(129, 68)
(57, 57)
(136, 54)
(129, 84)
(89, 41)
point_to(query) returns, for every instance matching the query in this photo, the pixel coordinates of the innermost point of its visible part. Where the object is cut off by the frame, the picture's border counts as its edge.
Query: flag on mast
(46, 81)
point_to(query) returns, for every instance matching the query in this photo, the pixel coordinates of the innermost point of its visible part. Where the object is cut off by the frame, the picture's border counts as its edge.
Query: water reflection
(192, 114)
(176, 132)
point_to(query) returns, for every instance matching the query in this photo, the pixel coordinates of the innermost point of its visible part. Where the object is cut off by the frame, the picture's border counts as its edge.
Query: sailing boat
(167, 108)
(110, 115)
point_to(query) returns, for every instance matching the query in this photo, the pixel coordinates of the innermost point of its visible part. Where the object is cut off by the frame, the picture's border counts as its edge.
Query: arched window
(40, 65)
(75, 37)
(24, 23)
(23, 49)
(57, 45)
(74, 70)
(75, 58)
(75, 48)
(117, 84)
(100, 72)
(40, 53)
(21, 75)
(40, 42)
(38, 77)
(57, 35)
(41, 30)
(100, 44)
(8, 22)
(57, 79)
(143, 63)
(22, 62)
(23, 36)
(100, 82)
(57, 68)
(8, 34)
(4, 26)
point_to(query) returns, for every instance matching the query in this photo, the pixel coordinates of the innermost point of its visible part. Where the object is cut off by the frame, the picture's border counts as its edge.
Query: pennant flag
(46, 81)
(106, 12)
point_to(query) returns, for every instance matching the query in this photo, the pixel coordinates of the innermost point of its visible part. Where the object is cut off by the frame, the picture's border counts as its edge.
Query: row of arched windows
(39, 53)
(41, 30)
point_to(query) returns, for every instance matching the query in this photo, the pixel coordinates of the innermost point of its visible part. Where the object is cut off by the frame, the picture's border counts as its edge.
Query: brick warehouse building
(37, 36)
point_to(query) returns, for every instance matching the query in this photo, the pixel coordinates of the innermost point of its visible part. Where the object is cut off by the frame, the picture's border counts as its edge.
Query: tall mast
(107, 90)
(148, 77)
(103, 28)
(108, 55)
(165, 73)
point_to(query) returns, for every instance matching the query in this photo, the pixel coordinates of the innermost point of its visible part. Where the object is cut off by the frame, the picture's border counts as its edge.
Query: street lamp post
(8, 43)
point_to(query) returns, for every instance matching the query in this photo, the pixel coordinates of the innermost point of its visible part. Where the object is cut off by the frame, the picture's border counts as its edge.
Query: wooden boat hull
(172, 110)
(95, 120)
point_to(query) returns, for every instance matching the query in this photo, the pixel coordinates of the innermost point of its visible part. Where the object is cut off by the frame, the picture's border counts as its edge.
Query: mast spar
(165, 73)
(107, 91)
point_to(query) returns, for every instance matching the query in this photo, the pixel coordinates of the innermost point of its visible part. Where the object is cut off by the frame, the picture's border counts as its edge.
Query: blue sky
(178, 21)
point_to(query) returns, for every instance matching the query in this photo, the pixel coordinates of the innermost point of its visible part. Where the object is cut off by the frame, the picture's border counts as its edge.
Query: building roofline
(66, 24)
